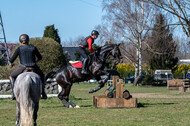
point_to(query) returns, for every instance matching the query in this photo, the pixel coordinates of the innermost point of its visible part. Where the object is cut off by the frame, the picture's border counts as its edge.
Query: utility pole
(4, 53)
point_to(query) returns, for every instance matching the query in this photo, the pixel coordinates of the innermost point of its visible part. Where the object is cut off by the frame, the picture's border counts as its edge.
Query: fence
(51, 87)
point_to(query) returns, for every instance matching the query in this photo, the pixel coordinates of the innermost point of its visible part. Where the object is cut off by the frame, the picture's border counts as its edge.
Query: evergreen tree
(51, 32)
(163, 43)
(77, 55)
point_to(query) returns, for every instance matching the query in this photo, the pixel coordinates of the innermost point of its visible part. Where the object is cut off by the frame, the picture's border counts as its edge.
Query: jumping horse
(67, 75)
(27, 89)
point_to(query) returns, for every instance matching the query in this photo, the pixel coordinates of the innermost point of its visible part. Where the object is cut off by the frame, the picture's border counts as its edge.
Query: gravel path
(157, 95)
(135, 95)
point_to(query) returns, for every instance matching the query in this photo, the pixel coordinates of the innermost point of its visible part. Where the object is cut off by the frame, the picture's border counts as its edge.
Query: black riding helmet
(24, 37)
(94, 32)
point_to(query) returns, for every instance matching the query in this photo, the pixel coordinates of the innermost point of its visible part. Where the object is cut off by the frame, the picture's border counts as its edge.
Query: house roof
(71, 51)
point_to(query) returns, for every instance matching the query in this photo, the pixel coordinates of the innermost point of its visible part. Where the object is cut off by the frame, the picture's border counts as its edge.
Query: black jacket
(27, 55)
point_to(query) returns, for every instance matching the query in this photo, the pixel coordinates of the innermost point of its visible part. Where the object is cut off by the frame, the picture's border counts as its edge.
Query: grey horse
(28, 87)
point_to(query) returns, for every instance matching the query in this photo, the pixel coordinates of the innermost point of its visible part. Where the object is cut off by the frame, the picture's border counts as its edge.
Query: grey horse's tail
(26, 102)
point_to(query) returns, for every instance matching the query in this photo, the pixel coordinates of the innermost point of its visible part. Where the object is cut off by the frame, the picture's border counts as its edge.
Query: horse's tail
(26, 102)
(50, 75)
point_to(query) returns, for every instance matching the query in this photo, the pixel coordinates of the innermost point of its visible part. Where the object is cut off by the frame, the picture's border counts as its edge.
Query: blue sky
(73, 18)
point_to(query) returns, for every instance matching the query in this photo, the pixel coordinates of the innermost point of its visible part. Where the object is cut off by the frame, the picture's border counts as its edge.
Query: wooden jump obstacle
(115, 97)
(185, 86)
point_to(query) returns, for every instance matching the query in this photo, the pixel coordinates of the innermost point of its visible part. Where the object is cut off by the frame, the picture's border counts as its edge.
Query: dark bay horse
(27, 92)
(67, 75)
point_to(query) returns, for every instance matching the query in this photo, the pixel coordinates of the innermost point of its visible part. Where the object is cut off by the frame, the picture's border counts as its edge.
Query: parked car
(163, 75)
(132, 78)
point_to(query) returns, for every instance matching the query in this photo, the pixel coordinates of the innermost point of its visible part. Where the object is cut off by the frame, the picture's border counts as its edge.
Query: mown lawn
(150, 111)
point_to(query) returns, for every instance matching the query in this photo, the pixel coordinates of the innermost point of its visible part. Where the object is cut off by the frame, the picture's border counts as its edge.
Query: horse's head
(110, 50)
(115, 52)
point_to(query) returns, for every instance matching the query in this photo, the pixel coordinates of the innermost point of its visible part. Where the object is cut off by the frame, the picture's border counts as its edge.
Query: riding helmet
(94, 32)
(24, 37)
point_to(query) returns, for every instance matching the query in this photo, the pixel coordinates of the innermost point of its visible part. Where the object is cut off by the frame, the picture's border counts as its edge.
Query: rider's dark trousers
(21, 68)
(82, 52)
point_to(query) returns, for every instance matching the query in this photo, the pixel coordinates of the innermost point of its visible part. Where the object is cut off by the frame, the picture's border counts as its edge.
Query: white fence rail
(4, 81)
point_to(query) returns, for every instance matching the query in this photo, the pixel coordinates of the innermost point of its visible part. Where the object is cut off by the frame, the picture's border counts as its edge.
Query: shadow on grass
(152, 104)
(59, 106)
(86, 105)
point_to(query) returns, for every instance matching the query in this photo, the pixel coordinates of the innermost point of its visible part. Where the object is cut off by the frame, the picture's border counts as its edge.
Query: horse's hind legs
(63, 98)
(65, 103)
(72, 104)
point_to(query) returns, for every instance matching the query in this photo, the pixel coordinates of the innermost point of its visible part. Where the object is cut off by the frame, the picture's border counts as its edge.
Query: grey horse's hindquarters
(27, 91)
(29, 81)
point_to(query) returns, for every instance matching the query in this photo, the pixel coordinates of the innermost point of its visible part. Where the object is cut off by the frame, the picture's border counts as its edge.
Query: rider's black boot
(84, 71)
(12, 86)
(44, 95)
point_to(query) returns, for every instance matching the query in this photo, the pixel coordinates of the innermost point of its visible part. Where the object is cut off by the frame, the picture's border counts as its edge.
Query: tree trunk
(138, 68)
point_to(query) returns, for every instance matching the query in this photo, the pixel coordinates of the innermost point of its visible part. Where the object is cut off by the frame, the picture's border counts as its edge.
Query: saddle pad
(76, 64)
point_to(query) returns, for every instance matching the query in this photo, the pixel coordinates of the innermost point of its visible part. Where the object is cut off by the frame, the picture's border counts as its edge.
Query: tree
(51, 32)
(162, 41)
(77, 55)
(179, 9)
(129, 20)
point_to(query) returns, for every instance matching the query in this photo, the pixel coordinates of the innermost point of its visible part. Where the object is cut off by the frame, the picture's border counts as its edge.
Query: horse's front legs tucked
(18, 114)
(101, 82)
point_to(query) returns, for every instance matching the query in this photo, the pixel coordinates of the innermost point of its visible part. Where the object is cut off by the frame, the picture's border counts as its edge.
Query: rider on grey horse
(28, 56)
(87, 42)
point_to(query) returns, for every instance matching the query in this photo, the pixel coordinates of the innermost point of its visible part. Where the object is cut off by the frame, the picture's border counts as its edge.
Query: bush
(148, 80)
(5, 72)
(125, 69)
(52, 53)
(179, 69)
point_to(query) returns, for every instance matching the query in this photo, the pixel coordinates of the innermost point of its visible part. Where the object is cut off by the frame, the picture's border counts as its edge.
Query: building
(184, 61)
(70, 52)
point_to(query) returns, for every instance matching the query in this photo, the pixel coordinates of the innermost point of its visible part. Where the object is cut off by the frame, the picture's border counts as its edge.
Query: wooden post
(102, 101)
(114, 78)
(119, 88)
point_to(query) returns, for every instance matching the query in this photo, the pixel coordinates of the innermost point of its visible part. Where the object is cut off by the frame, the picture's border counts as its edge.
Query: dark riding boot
(12, 86)
(44, 95)
(85, 62)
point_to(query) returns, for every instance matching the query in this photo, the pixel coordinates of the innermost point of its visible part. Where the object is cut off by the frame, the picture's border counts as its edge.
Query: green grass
(150, 111)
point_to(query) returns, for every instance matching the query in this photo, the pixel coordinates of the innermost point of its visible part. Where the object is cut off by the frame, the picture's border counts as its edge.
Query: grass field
(150, 111)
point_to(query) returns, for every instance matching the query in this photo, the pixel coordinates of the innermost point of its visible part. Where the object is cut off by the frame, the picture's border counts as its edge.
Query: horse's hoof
(91, 91)
(35, 124)
(77, 106)
(70, 106)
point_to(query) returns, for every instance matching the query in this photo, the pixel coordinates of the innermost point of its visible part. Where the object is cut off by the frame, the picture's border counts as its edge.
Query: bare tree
(180, 9)
(130, 20)
(73, 42)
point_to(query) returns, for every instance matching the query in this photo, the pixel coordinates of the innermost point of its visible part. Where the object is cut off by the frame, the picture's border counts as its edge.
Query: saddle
(77, 64)
(29, 69)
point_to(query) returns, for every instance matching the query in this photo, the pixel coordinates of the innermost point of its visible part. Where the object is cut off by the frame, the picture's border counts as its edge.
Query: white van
(163, 75)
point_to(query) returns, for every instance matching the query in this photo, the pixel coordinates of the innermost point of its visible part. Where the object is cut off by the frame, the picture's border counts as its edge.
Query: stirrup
(13, 97)
(84, 72)
(44, 96)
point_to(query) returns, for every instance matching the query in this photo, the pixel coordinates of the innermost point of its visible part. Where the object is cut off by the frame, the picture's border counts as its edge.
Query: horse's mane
(108, 46)
(101, 50)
